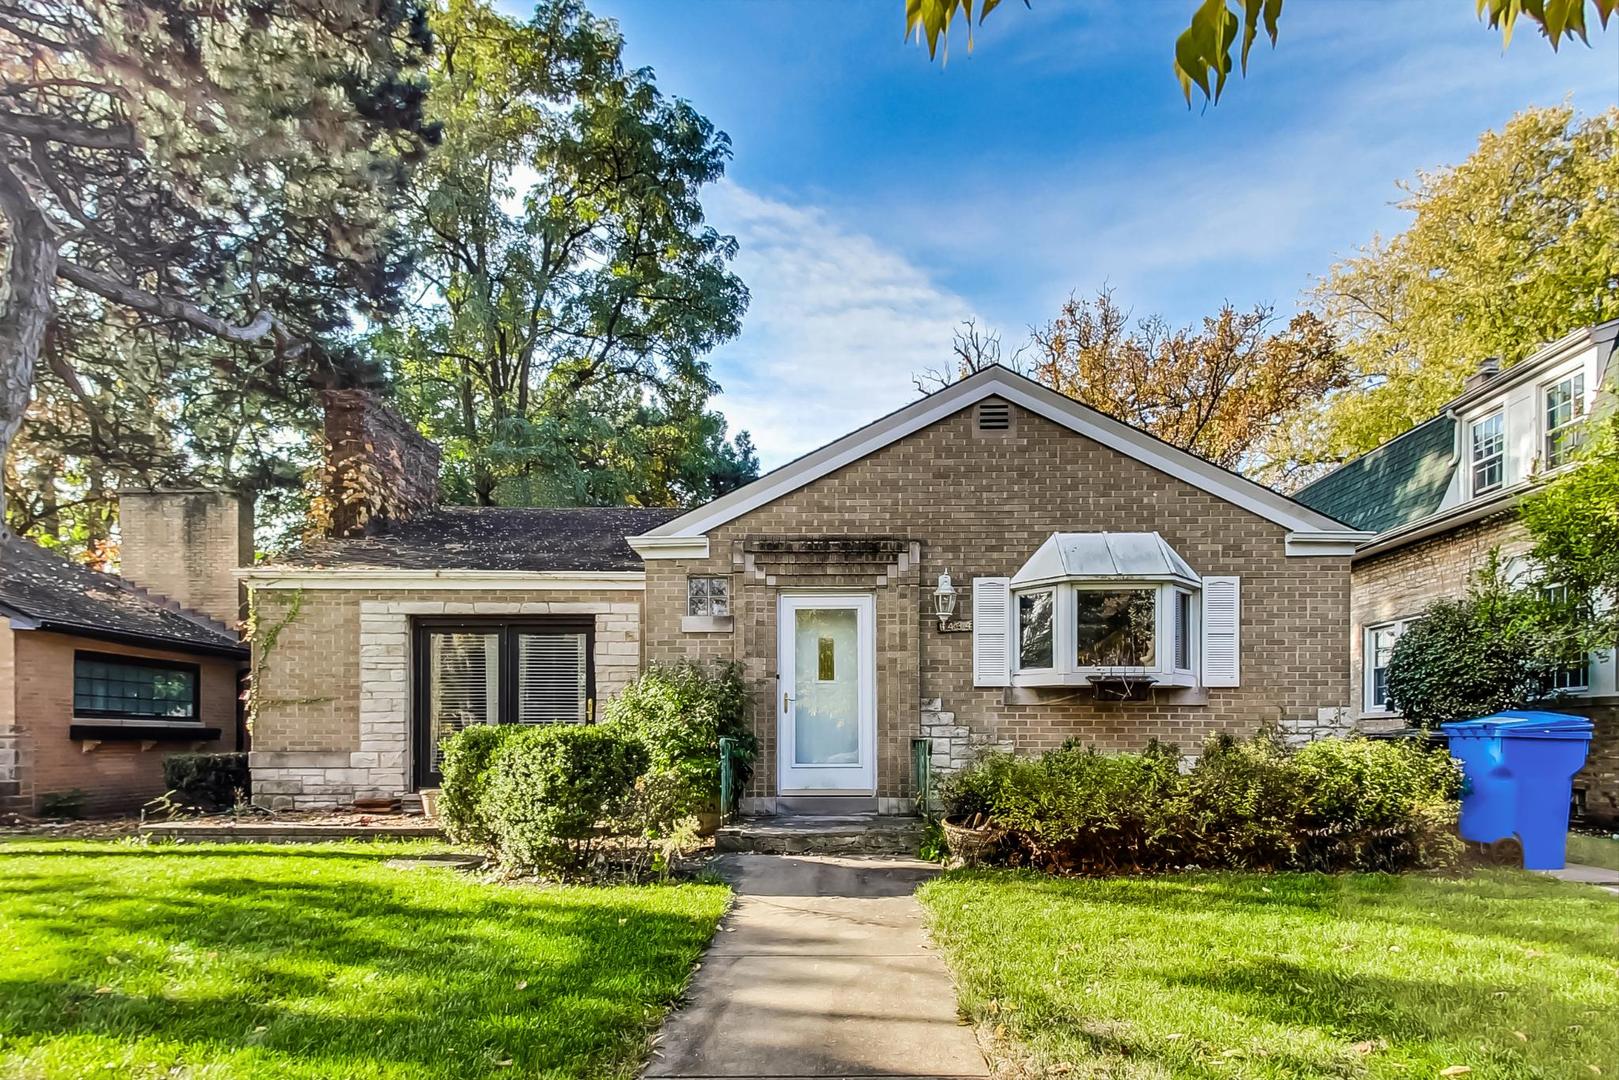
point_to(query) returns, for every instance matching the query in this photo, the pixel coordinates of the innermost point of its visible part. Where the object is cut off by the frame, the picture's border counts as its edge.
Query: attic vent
(994, 416)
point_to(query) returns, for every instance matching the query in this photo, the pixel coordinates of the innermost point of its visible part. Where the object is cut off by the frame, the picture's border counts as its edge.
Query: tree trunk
(25, 305)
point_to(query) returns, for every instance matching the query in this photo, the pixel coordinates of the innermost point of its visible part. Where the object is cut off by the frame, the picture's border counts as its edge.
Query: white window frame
(1499, 458)
(1368, 667)
(1577, 408)
(1066, 669)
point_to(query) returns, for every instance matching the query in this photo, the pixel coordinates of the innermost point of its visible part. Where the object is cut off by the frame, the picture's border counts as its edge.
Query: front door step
(822, 834)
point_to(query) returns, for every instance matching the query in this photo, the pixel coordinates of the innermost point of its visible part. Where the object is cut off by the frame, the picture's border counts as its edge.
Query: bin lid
(1521, 722)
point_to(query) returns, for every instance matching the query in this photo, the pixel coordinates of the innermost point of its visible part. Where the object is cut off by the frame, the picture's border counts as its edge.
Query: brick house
(103, 676)
(1442, 496)
(991, 565)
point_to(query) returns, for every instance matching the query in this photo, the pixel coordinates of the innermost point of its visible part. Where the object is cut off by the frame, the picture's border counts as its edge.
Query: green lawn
(320, 961)
(1593, 850)
(1245, 975)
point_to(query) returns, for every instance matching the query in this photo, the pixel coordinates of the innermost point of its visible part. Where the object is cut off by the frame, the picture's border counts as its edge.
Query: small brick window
(708, 596)
(133, 688)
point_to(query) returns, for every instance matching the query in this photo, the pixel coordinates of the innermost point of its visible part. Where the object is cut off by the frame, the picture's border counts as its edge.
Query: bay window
(1094, 608)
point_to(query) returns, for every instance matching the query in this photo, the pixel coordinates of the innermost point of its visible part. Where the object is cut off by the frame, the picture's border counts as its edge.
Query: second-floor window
(1488, 456)
(1565, 406)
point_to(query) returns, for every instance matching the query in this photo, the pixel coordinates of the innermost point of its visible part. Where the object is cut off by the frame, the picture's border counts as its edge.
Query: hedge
(215, 781)
(1337, 804)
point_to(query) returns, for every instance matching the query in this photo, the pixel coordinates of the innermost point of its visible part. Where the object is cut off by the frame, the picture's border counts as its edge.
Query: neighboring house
(100, 677)
(1443, 495)
(1105, 587)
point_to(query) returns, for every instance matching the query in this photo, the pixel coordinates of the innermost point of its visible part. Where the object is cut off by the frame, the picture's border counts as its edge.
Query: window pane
(1381, 648)
(551, 686)
(463, 684)
(1565, 405)
(1115, 628)
(1489, 444)
(1183, 631)
(135, 691)
(708, 596)
(826, 710)
(1034, 612)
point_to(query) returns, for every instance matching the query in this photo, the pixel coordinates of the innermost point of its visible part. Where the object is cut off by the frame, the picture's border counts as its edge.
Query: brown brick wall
(186, 545)
(980, 506)
(117, 776)
(1400, 583)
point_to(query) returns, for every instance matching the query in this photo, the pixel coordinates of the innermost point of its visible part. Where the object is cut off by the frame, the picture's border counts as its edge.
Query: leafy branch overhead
(1203, 50)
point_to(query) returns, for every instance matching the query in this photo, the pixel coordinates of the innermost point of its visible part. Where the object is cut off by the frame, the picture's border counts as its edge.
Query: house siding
(331, 717)
(116, 776)
(979, 504)
(1399, 584)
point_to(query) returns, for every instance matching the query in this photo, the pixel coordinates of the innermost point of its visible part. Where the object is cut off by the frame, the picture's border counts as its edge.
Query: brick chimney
(379, 468)
(1488, 369)
(183, 544)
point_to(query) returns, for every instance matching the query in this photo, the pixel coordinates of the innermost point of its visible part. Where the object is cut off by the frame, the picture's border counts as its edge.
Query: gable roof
(51, 593)
(493, 538)
(1308, 524)
(1402, 481)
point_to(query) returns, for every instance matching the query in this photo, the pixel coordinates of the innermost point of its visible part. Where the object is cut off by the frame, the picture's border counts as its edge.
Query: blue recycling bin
(1520, 768)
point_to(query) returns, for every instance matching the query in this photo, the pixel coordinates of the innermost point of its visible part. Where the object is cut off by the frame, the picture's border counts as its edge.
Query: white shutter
(1222, 625)
(992, 631)
(551, 679)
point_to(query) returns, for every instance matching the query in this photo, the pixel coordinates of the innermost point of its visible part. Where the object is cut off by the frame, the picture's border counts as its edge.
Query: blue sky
(880, 199)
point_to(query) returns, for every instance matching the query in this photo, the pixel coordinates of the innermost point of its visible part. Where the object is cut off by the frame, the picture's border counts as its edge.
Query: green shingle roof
(1400, 482)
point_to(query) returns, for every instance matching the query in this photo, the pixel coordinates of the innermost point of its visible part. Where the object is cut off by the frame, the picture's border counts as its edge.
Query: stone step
(822, 834)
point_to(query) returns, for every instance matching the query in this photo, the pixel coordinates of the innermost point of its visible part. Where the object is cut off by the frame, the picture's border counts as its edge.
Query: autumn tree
(221, 174)
(1514, 247)
(569, 288)
(1202, 52)
(1223, 389)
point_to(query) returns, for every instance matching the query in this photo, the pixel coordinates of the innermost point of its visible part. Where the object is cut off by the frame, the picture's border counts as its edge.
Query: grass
(1594, 850)
(1273, 976)
(224, 961)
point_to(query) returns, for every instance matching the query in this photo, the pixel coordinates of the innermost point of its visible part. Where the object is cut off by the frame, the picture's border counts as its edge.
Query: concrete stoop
(822, 834)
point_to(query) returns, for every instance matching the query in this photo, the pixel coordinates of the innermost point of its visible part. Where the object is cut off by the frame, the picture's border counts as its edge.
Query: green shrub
(679, 712)
(1350, 804)
(63, 804)
(1374, 805)
(1237, 806)
(464, 769)
(215, 781)
(1469, 657)
(550, 789)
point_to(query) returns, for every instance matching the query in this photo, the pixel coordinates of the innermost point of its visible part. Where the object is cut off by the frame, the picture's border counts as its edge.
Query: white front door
(827, 724)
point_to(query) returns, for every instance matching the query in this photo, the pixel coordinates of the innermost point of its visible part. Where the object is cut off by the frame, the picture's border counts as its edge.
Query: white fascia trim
(584, 581)
(1303, 543)
(653, 546)
(998, 382)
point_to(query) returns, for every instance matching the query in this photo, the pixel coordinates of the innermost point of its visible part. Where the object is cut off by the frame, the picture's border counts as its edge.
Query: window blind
(551, 687)
(465, 688)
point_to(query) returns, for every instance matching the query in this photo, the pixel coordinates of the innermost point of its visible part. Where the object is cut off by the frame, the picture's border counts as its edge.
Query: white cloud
(837, 326)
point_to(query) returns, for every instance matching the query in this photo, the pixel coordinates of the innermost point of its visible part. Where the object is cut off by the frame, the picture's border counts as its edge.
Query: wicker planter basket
(973, 840)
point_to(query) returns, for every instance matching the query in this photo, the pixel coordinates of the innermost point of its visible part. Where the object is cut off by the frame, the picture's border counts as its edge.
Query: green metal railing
(728, 792)
(922, 770)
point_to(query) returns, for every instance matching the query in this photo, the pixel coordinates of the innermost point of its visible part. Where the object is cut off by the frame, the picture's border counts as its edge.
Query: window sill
(1163, 679)
(141, 730)
(706, 624)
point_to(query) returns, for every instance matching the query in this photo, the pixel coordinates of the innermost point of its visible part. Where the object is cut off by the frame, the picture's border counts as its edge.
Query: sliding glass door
(497, 672)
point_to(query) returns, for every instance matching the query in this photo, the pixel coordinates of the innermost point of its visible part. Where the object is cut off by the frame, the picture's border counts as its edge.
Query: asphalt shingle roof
(1401, 481)
(586, 538)
(67, 597)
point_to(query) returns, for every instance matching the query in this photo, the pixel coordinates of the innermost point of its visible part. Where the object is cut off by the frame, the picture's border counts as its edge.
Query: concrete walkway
(820, 970)
(1599, 876)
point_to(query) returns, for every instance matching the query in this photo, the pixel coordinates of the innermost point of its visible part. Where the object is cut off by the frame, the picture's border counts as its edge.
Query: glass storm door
(827, 725)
